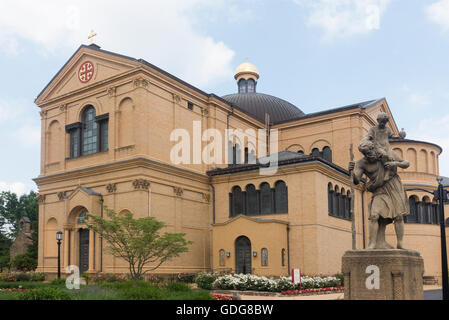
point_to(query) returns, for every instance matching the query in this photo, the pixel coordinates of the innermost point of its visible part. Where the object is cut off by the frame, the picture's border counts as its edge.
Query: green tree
(5, 243)
(12, 209)
(137, 241)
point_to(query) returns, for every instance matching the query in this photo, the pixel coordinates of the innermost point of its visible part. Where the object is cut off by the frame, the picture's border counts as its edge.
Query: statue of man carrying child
(389, 202)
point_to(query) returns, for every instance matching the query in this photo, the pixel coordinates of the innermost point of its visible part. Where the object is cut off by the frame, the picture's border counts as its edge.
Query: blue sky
(316, 54)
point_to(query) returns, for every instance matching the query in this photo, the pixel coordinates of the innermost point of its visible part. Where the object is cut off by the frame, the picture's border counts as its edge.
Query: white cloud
(161, 32)
(434, 130)
(438, 12)
(419, 99)
(344, 18)
(20, 122)
(19, 188)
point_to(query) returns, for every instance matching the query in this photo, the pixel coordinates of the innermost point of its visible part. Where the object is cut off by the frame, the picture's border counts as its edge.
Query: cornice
(139, 162)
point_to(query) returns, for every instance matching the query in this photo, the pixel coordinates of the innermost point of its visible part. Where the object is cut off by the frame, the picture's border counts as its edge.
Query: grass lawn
(126, 290)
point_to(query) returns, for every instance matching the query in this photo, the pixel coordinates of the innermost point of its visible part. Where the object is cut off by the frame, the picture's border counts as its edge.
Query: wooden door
(84, 250)
(243, 255)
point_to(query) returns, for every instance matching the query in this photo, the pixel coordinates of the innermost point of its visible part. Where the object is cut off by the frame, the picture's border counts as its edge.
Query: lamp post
(59, 238)
(442, 197)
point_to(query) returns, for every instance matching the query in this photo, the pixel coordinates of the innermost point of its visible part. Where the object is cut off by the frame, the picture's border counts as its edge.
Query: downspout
(288, 249)
(101, 238)
(213, 199)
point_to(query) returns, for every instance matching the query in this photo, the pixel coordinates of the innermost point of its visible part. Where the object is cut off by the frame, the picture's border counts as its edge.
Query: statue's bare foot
(371, 246)
(386, 245)
(401, 247)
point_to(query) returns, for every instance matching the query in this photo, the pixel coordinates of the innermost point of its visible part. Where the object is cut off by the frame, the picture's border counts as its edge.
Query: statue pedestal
(383, 275)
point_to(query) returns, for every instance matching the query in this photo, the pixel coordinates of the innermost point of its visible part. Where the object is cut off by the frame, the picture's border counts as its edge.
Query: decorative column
(66, 243)
(91, 251)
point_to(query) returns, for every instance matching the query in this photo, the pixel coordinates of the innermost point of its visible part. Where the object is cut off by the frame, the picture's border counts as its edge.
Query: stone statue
(389, 203)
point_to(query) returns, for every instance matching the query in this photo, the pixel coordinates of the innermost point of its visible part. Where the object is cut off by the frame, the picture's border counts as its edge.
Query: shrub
(256, 283)
(177, 286)
(58, 282)
(48, 293)
(109, 277)
(24, 262)
(141, 291)
(187, 277)
(205, 280)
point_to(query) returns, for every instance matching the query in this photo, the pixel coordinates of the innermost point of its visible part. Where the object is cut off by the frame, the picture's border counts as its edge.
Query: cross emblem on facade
(91, 36)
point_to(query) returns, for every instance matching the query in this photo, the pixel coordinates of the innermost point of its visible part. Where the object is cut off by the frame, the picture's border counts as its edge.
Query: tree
(12, 209)
(137, 241)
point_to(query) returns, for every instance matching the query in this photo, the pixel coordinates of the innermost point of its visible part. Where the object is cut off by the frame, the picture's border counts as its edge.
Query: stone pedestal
(383, 275)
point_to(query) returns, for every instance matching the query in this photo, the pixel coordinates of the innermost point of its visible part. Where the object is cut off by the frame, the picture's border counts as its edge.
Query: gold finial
(91, 36)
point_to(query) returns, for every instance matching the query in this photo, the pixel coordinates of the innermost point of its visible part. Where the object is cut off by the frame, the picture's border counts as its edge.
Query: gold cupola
(246, 75)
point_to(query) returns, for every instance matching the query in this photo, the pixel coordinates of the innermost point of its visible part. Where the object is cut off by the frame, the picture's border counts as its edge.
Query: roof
(284, 158)
(259, 104)
(416, 141)
(255, 105)
(360, 105)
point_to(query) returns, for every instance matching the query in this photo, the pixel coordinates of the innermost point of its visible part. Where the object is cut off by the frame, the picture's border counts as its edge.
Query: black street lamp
(443, 197)
(59, 238)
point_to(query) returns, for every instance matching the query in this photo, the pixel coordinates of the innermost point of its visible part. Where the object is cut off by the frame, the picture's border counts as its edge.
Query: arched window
(243, 86)
(280, 197)
(330, 199)
(222, 258)
(90, 135)
(348, 206)
(341, 203)
(327, 154)
(89, 131)
(435, 215)
(413, 216)
(283, 257)
(264, 257)
(427, 210)
(265, 199)
(236, 201)
(251, 86)
(252, 200)
(300, 152)
(335, 197)
(316, 152)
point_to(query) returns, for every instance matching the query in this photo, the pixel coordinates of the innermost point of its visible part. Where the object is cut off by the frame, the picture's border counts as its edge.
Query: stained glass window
(82, 217)
(222, 258)
(264, 257)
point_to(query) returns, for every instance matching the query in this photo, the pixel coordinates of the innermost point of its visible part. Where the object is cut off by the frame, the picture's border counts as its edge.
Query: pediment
(85, 69)
(82, 193)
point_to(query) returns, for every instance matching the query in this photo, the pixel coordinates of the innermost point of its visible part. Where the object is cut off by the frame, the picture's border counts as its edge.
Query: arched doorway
(242, 255)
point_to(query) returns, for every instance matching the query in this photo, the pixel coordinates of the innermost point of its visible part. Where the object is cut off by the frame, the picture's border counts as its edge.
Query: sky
(316, 54)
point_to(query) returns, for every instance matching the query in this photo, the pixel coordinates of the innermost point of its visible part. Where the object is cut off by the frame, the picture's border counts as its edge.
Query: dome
(246, 69)
(258, 104)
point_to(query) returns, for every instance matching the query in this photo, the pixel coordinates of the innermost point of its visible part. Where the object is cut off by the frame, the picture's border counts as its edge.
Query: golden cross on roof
(91, 36)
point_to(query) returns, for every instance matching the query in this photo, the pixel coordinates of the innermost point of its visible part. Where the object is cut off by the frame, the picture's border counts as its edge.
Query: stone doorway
(243, 255)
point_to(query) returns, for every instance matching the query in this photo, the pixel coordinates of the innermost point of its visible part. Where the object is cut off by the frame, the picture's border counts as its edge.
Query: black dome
(258, 104)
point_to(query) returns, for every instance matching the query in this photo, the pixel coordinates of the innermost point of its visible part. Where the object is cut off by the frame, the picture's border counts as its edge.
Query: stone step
(429, 280)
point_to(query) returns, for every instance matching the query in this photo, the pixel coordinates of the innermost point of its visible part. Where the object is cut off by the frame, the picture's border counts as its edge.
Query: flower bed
(22, 276)
(313, 291)
(12, 290)
(248, 282)
(222, 297)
